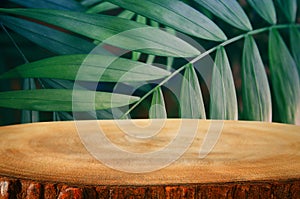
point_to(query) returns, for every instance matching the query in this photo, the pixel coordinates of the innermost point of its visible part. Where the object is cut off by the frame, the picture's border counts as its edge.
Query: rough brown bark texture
(43, 190)
(249, 160)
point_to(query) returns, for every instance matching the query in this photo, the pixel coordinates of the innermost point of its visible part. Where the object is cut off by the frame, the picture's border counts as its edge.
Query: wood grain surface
(48, 160)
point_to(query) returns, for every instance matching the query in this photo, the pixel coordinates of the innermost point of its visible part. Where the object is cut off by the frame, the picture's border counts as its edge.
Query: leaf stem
(225, 43)
(19, 50)
(15, 44)
(152, 90)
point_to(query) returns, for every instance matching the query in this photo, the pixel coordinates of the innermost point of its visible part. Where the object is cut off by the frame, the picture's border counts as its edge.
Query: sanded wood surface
(49, 160)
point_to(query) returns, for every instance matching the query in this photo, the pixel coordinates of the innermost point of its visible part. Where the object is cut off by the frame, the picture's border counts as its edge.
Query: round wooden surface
(245, 151)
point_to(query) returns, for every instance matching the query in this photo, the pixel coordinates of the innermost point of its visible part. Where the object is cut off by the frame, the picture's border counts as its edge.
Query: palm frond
(265, 8)
(289, 8)
(52, 4)
(257, 103)
(223, 96)
(229, 11)
(101, 7)
(102, 27)
(177, 15)
(74, 28)
(62, 100)
(29, 116)
(295, 43)
(285, 79)
(91, 67)
(191, 102)
(49, 38)
(158, 108)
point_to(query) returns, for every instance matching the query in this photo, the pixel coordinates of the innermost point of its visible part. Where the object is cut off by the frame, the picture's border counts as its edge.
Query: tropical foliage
(143, 46)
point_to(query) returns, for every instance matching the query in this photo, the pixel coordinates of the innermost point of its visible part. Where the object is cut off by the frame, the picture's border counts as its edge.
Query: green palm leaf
(142, 20)
(88, 3)
(191, 102)
(289, 8)
(57, 83)
(158, 108)
(285, 80)
(109, 113)
(177, 15)
(257, 103)
(229, 11)
(101, 7)
(295, 45)
(170, 60)
(223, 102)
(51, 4)
(126, 14)
(61, 100)
(102, 27)
(29, 116)
(49, 38)
(92, 68)
(265, 8)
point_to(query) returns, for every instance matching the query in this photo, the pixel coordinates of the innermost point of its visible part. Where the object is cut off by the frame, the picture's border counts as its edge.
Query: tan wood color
(52, 152)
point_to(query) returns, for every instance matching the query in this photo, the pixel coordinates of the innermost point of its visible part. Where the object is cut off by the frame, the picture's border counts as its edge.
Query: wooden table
(249, 160)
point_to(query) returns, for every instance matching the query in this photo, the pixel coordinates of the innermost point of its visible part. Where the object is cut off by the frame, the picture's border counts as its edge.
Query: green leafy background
(254, 44)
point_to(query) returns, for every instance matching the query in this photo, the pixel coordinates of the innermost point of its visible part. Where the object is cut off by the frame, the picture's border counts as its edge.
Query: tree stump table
(249, 160)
